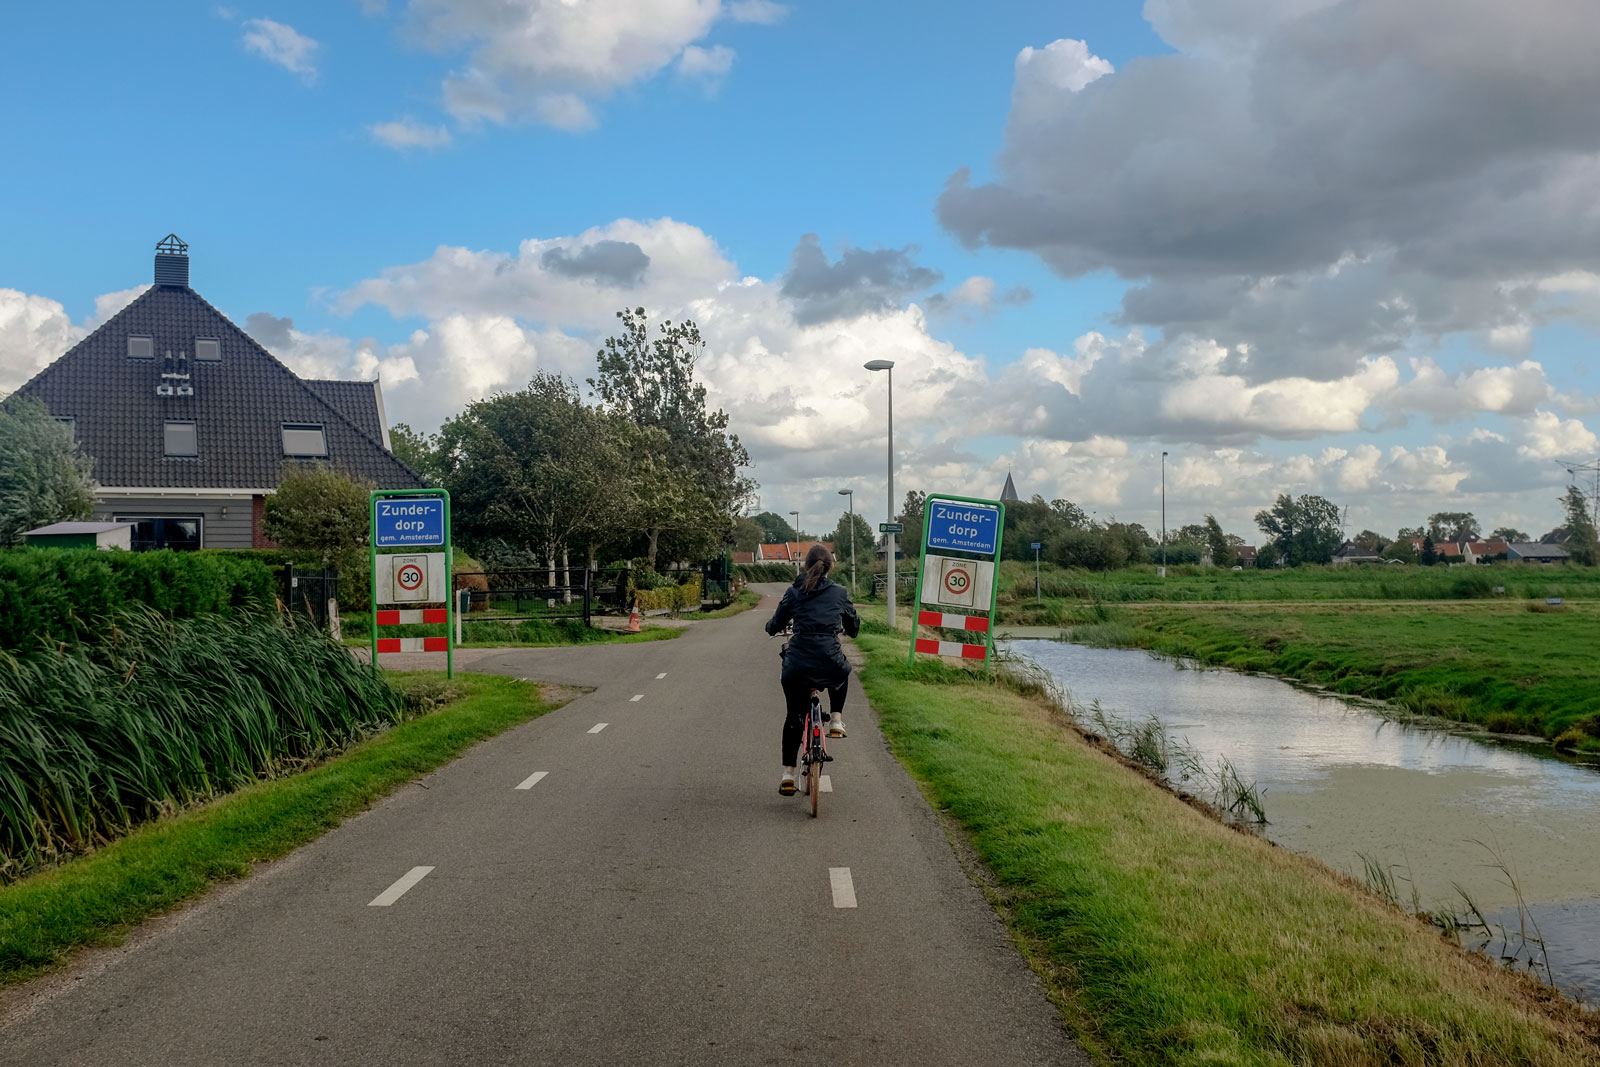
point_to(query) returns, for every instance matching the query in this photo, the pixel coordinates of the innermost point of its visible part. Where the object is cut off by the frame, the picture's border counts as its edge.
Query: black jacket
(818, 616)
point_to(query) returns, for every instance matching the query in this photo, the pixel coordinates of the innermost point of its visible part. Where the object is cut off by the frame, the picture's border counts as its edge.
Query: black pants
(797, 695)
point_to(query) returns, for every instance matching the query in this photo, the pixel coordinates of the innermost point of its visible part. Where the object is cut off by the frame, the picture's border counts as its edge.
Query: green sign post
(956, 581)
(407, 580)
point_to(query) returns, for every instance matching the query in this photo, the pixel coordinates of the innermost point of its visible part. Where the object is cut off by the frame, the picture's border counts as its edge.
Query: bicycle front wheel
(814, 779)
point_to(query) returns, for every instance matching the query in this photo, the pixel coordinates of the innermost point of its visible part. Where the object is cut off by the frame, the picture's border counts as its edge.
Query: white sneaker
(836, 726)
(786, 786)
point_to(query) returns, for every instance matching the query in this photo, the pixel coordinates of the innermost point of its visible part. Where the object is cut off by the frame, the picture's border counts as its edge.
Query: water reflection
(1339, 780)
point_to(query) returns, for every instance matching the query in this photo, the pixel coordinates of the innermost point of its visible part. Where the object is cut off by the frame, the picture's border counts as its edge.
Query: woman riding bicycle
(819, 608)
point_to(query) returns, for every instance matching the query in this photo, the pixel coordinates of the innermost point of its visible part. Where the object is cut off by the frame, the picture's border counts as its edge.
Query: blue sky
(1271, 200)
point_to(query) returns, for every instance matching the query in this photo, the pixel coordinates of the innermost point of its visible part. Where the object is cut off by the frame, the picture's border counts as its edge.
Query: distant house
(1480, 551)
(1548, 555)
(1446, 550)
(1244, 555)
(1351, 553)
(744, 557)
(790, 552)
(191, 423)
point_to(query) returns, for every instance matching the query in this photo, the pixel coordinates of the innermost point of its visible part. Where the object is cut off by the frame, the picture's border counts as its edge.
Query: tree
(1194, 534)
(1581, 544)
(1267, 557)
(652, 383)
(1403, 551)
(1453, 526)
(908, 539)
(1371, 540)
(1407, 533)
(1304, 530)
(747, 534)
(320, 513)
(539, 471)
(1217, 543)
(1429, 554)
(841, 539)
(417, 450)
(776, 528)
(1069, 513)
(44, 476)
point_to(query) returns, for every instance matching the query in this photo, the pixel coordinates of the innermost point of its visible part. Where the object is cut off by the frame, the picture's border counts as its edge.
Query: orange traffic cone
(633, 620)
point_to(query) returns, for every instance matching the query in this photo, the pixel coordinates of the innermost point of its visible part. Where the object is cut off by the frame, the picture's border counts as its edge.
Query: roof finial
(172, 243)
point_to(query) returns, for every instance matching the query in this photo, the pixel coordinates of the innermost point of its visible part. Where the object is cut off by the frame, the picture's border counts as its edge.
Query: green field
(1374, 582)
(1170, 939)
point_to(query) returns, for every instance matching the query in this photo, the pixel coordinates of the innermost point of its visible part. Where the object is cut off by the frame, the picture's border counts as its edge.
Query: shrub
(674, 598)
(51, 596)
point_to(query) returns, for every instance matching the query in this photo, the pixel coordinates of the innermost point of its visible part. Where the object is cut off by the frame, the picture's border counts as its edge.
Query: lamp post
(888, 365)
(1163, 514)
(851, 493)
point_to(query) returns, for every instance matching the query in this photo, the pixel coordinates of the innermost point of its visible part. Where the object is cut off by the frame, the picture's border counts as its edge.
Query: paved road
(650, 900)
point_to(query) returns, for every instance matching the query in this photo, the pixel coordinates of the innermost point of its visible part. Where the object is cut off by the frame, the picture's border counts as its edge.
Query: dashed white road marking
(532, 780)
(636, 697)
(827, 784)
(398, 890)
(597, 727)
(844, 890)
(660, 676)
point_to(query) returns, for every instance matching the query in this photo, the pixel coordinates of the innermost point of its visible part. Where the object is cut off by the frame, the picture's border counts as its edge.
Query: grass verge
(1170, 939)
(746, 600)
(532, 634)
(96, 899)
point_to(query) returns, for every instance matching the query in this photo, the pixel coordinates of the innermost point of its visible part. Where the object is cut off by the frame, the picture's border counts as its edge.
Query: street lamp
(851, 493)
(1163, 514)
(796, 515)
(888, 365)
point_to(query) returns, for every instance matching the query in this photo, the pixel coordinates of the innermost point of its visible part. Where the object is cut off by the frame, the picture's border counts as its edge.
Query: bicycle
(814, 750)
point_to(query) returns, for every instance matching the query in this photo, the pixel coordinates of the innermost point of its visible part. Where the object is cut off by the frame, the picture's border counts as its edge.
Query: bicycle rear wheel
(814, 784)
(814, 753)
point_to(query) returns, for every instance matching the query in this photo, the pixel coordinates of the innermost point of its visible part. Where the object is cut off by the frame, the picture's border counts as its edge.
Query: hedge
(672, 597)
(51, 596)
(765, 572)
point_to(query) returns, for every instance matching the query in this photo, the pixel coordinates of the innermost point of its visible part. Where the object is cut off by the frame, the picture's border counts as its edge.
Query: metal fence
(306, 592)
(526, 594)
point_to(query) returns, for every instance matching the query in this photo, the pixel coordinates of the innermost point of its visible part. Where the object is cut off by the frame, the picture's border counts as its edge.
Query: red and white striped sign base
(953, 622)
(951, 648)
(412, 615)
(414, 644)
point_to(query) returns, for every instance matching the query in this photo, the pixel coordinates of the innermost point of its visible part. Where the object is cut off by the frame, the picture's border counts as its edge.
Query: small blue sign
(965, 527)
(409, 522)
(1037, 545)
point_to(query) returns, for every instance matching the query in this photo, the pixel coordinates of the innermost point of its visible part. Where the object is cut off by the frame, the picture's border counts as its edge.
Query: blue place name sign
(965, 527)
(406, 522)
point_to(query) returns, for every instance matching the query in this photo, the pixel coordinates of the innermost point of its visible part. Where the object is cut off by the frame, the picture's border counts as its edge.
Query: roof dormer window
(304, 440)
(179, 439)
(141, 347)
(207, 350)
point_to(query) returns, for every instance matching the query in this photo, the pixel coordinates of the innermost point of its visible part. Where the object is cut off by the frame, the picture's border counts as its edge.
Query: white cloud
(408, 133)
(550, 61)
(33, 331)
(764, 12)
(281, 44)
(1547, 436)
(1044, 76)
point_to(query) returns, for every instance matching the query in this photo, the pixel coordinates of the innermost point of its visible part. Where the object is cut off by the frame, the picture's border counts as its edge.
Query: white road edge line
(640, 696)
(660, 676)
(532, 779)
(398, 890)
(597, 727)
(827, 784)
(844, 890)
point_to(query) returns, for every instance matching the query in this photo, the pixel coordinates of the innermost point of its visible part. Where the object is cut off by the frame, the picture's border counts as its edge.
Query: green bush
(674, 598)
(97, 738)
(51, 596)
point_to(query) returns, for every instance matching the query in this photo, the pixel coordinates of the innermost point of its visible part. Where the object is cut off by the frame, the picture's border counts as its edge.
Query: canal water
(1340, 781)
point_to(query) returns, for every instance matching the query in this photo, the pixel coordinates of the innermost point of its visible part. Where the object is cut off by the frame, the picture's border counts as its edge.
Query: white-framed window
(207, 350)
(180, 439)
(141, 347)
(304, 439)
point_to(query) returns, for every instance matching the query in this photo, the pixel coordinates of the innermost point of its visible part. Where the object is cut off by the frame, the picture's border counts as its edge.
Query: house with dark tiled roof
(1547, 555)
(191, 423)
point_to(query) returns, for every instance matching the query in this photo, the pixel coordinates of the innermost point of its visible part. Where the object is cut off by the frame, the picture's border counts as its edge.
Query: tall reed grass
(97, 738)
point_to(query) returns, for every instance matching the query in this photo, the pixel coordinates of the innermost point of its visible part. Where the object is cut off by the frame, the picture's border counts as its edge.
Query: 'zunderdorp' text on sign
(965, 527)
(404, 522)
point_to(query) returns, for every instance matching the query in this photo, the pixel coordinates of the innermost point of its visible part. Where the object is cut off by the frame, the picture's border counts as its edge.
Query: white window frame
(151, 341)
(198, 341)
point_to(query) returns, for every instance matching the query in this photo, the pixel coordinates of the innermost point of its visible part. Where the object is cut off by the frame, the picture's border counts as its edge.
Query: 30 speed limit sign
(411, 579)
(958, 582)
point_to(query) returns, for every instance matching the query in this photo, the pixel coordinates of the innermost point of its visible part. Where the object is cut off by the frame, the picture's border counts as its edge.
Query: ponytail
(819, 561)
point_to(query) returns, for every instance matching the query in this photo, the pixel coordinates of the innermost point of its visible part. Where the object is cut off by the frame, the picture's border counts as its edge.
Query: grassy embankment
(747, 599)
(96, 899)
(1170, 939)
(1508, 665)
